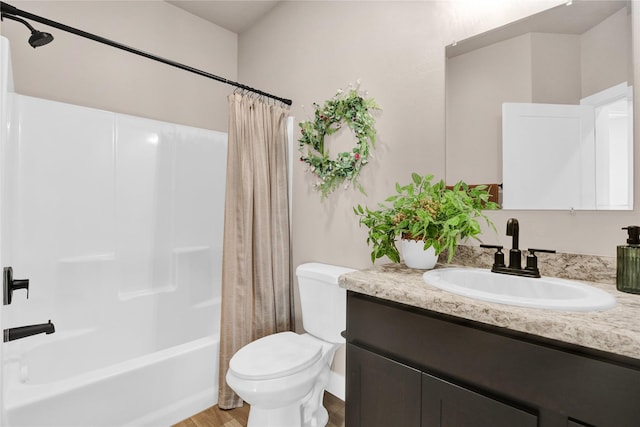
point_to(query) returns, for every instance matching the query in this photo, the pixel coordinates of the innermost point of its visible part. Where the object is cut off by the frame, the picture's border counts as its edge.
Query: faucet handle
(548, 251)
(10, 284)
(498, 247)
(498, 257)
(532, 259)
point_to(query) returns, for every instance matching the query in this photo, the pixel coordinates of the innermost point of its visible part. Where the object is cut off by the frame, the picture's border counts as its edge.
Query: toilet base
(322, 418)
(287, 416)
(308, 412)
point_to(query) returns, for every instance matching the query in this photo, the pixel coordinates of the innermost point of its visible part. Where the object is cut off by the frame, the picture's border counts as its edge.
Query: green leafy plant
(432, 213)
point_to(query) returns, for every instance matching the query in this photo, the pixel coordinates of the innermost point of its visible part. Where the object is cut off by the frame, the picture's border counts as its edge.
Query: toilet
(283, 376)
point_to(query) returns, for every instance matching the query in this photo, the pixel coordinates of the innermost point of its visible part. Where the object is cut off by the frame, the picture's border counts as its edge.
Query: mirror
(543, 106)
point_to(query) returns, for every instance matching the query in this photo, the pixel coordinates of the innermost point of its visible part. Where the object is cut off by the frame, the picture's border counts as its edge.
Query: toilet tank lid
(325, 272)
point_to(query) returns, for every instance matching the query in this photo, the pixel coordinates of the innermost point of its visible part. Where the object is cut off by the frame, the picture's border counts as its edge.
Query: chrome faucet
(26, 331)
(515, 255)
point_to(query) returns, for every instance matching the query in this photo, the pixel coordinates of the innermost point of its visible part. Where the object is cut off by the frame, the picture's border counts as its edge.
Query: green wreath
(354, 110)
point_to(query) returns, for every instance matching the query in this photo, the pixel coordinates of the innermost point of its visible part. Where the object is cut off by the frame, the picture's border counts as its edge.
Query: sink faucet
(515, 255)
(26, 331)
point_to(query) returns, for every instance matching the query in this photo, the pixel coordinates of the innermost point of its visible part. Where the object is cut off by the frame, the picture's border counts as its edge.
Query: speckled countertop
(616, 330)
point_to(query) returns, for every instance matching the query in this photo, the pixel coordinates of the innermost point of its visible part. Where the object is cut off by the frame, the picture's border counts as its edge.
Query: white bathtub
(158, 389)
(117, 222)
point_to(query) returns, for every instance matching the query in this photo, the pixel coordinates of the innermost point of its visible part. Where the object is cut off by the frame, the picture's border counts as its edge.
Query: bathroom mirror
(543, 106)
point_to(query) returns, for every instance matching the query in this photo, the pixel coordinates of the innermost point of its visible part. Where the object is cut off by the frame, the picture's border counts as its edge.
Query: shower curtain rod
(12, 10)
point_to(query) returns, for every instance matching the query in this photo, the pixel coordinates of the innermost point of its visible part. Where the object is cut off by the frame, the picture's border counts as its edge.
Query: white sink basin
(545, 292)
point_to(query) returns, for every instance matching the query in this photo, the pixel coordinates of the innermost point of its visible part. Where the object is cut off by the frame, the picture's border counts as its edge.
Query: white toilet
(283, 376)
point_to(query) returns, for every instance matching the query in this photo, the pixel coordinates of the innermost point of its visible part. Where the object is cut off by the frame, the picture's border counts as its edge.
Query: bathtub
(110, 223)
(44, 386)
(117, 358)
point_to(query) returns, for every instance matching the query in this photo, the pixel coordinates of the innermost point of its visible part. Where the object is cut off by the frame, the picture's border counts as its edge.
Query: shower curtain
(256, 295)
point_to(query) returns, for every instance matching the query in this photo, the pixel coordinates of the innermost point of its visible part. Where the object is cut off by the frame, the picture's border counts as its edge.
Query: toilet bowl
(283, 376)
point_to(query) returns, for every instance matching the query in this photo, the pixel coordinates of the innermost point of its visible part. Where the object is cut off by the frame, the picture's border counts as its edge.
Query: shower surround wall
(117, 221)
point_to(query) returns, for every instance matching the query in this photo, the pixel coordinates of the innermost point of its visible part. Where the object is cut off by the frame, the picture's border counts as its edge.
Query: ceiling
(235, 16)
(576, 19)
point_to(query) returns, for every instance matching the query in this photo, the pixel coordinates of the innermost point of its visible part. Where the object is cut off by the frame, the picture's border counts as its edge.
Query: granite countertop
(616, 330)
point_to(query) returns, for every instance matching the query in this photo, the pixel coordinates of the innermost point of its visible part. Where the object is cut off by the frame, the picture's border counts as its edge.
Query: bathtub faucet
(26, 331)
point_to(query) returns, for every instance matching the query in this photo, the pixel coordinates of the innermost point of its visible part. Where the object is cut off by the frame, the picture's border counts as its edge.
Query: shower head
(38, 38)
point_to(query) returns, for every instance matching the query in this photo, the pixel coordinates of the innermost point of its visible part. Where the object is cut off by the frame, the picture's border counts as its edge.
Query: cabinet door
(448, 405)
(380, 392)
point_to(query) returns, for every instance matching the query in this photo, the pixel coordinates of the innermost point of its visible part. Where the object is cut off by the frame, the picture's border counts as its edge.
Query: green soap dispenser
(628, 266)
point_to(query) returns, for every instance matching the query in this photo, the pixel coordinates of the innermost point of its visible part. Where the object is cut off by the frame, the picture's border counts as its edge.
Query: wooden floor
(215, 417)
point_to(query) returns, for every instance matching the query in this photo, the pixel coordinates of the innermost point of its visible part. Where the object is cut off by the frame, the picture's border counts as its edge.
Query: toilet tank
(323, 302)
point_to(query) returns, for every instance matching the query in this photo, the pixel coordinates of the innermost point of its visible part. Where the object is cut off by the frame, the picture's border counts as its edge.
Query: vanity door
(380, 392)
(445, 404)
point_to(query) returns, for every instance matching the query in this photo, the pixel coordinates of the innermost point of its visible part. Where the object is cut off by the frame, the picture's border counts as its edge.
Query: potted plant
(433, 215)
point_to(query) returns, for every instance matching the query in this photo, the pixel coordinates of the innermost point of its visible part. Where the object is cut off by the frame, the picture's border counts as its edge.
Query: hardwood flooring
(216, 417)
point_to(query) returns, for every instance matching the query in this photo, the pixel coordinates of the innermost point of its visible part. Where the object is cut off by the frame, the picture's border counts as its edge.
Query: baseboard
(336, 385)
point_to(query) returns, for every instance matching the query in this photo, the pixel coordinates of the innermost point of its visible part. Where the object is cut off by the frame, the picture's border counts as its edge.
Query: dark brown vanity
(411, 361)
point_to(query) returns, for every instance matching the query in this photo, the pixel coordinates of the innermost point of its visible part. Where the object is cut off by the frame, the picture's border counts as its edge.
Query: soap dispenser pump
(628, 263)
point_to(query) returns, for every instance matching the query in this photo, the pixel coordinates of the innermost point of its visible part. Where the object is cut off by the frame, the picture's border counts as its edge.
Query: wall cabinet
(412, 367)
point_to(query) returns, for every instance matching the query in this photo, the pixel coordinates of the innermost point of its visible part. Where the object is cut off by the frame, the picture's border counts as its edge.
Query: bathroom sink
(544, 292)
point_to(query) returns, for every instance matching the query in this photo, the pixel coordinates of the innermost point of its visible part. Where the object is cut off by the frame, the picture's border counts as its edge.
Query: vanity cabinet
(408, 366)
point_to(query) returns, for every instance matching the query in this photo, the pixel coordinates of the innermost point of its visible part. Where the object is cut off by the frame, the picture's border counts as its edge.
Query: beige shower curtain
(255, 262)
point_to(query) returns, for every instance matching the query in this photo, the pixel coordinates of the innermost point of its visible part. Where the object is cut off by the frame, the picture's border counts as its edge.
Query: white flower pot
(415, 256)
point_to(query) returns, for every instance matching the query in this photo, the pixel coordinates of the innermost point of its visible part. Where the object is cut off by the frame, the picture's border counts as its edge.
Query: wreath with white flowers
(353, 110)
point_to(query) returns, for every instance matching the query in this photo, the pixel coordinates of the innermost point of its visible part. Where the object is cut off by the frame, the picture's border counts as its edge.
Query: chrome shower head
(38, 38)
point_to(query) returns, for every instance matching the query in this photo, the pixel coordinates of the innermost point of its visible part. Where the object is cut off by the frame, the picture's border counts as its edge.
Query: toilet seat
(275, 356)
